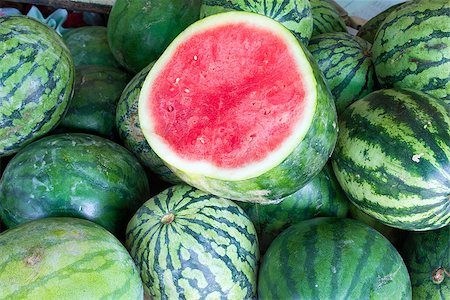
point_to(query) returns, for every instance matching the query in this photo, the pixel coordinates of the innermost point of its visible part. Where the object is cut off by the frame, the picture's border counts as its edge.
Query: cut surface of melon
(230, 98)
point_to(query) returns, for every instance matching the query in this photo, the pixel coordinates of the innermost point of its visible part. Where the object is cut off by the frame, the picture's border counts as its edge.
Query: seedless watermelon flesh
(230, 101)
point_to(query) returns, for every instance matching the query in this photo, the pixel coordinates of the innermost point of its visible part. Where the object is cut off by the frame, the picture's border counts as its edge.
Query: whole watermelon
(326, 18)
(332, 258)
(36, 81)
(65, 258)
(392, 158)
(191, 245)
(76, 175)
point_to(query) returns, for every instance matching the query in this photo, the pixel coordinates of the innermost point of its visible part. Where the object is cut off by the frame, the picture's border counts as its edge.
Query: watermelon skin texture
(66, 258)
(412, 48)
(139, 31)
(295, 15)
(320, 197)
(326, 18)
(206, 249)
(89, 46)
(425, 253)
(129, 128)
(392, 158)
(75, 175)
(346, 64)
(36, 81)
(332, 258)
(93, 107)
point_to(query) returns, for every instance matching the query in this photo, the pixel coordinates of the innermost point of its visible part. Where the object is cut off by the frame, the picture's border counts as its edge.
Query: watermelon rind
(326, 17)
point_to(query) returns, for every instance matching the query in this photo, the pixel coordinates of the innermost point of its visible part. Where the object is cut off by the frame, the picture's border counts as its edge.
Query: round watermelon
(392, 158)
(326, 18)
(295, 15)
(192, 245)
(66, 258)
(76, 175)
(427, 257)
(332, 258)
(236, 107)
(36, 81)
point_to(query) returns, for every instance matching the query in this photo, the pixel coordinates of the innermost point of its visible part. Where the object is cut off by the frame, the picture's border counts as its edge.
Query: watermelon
(332, 258)
(295, 15)
(370, 28)
(392, 158)
(322, 196)
(427, 257)
(36, 81)
(326, 18)
(65, 258)
(188, 244)
(139, 31)
(412, 48)
(263, 122)
(129, 128)
(93, 107)
(75, 175)
(89, 46)
(346, 62)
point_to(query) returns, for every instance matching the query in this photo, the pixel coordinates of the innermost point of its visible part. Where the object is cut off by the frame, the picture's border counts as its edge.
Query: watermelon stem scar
(168, 218)
(438, 275)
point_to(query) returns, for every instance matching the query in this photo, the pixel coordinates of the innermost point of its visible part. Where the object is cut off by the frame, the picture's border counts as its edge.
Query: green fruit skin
(66, 258)
(424, 253)
(412, 48)
(75, 175)
(295, 15)
(139, 31)
(93, 107)
(36, 81)
(346, 64)
(192, 245)
(326, 18)
(332, 258)
(320, 197)
(392, 158)
(89, 46)
(129, 128)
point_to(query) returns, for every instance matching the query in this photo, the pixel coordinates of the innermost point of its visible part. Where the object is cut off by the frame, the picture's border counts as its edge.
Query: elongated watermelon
(346, 63)
(295, 15)
(427, 257)
(332, 258)
(320, 197)
(192, 245)
(65, 258)
(412, 48)
(129, 128)
(76, 175)
(392, 158)
(36, 81)
(236, 107)
(326, 18)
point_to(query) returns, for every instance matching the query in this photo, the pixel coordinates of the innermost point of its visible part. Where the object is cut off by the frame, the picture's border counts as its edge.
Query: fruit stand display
(224, 149)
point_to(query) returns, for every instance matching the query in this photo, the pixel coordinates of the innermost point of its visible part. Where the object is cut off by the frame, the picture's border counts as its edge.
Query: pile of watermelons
(227, 149)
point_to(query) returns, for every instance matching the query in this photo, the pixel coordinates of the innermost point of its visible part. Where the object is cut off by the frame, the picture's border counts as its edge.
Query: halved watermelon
(236, 107)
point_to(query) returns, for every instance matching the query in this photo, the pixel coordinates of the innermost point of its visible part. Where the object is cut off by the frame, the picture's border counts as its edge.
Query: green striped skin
(332, 258)
(392, 158)
(320, 197)
(139, 31)
(370, 28)
(412, 48)
(36, 81)
(191, 245)
(129, 129)
(326, 18)
(75, 175)
(295, 15)
(347, 65)
(89, 46)
(427, 257)
(93, 107)
(66, 258)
